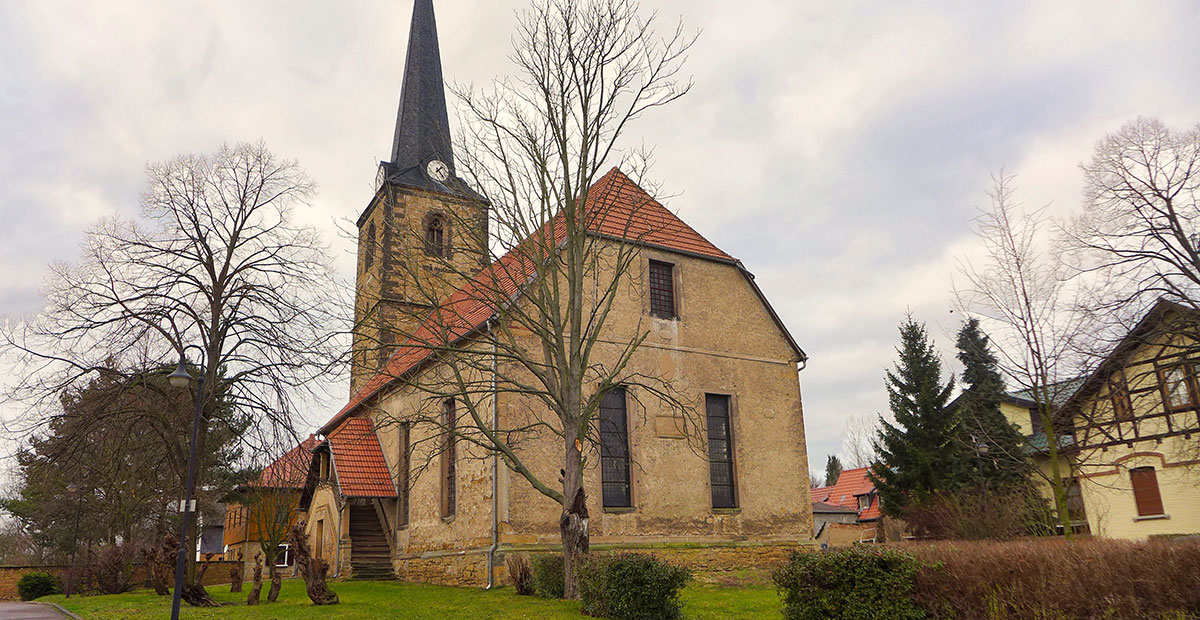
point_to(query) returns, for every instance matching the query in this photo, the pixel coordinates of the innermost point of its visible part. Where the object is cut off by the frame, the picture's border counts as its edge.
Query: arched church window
(437, 241)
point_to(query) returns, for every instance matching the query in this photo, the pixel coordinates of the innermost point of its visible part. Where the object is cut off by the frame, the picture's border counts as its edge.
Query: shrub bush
(630, 586)
(548, 575)
(36, 585)
(520, 573)
(982, 514)
(1086, 579)
(111, 570)
(852, 584)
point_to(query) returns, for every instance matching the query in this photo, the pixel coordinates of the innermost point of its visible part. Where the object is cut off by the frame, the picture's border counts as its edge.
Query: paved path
(28, 611)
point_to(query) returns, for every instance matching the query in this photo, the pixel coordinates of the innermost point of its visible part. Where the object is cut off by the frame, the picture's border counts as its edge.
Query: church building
(383, 501)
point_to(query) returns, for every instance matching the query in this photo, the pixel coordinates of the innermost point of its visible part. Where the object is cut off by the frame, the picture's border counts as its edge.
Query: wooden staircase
(370, 554)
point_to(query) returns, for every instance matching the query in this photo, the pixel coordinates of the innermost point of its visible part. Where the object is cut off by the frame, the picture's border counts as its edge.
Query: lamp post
(181, 379)
(74, 490)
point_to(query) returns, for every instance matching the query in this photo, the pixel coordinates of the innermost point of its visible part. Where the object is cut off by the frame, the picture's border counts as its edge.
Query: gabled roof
(616, 208)
(358, 460)
(1136, 337)
(851, 484)
(289, 471)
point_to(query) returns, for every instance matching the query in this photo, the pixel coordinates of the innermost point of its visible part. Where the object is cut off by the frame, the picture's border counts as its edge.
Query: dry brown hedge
(1089, 579)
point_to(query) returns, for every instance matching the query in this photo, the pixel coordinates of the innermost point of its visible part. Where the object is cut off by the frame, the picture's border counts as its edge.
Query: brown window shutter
(1145, 491)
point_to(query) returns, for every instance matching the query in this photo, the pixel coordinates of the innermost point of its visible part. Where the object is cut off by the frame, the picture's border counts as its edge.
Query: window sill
(448, 519)
(619, 510)
(726, 511)
(1163, 517)
(664, 318)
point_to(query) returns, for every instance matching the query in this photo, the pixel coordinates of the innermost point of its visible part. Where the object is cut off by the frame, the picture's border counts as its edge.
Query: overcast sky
(839, 149)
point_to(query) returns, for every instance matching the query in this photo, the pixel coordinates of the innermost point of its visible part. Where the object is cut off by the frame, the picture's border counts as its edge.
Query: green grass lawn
(363, 600)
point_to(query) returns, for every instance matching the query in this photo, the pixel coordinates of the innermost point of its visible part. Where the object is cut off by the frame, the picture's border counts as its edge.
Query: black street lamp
(181, 379)
(71, 574)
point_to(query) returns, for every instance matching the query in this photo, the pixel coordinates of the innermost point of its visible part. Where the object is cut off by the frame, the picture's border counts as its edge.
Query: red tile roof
(616, 207)
(358, 460)
(850, 485)
(289, 471)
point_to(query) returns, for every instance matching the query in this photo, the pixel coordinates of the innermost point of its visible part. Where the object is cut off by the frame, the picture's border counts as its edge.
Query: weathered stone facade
(724, 341)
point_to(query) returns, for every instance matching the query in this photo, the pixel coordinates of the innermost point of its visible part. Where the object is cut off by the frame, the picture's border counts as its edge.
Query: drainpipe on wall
(491, 561)
(337, 546)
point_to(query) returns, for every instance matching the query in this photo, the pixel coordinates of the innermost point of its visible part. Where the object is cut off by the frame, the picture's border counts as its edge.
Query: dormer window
(437, 241)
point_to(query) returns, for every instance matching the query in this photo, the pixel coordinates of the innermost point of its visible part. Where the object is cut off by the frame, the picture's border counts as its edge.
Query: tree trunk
(256, 585)
(1056, 479)
(237, 574)
(194, 593)
(276, 584)
(312, 569)
(573, 525)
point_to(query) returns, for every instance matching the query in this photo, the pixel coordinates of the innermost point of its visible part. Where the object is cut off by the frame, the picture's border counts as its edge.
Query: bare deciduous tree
(858, 441)
(215, 263)
(1140, 228)
(1022, 291)
(535, 146)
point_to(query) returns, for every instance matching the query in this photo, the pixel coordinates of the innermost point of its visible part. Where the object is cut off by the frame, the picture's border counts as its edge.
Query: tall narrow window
(720, 451)
(404, 465)
(449, 490)
(369, 248)
(435, 236)
(614, 450)
(1122, 406)
(1035, 419)
(1075, 506)
(1145, 491)
(662, 290)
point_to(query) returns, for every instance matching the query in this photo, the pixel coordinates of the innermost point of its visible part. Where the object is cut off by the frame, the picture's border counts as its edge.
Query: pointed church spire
(422, 125)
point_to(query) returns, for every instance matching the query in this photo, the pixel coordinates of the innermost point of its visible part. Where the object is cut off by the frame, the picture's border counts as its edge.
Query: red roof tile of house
(358, 460)
(616, 207)
(851, 484)
(289, 471)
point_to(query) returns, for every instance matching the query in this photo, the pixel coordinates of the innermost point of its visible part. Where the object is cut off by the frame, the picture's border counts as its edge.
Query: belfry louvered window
(662, 290)
(720, 452)
(614, 450)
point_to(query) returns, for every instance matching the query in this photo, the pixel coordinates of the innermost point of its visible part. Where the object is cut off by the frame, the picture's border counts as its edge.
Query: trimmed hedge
(1034, 579)
(37, 585)
(630, 586)
(852, 584)
(548, 575)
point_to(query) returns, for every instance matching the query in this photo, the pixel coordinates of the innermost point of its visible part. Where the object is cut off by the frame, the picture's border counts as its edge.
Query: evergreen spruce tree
(921, 453)
(833, 469)
(997, 448)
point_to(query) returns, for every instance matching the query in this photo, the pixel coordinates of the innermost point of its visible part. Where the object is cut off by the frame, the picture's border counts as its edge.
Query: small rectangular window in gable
(1176, 387)
(662, 290)
(1145, 491)
(614, 450)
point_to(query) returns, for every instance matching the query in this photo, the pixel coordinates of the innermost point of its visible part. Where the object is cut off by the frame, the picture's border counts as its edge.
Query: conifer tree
(921, 453)
(833, 469)
(998, 459)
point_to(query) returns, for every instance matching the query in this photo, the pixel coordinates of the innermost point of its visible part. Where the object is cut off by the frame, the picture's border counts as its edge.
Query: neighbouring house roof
(1060, 393)
(823, 508)
(616, 208)
(289, 471)
(358, 460)
(851, 484)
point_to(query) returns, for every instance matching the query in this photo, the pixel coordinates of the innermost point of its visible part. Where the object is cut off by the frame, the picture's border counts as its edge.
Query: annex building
(384, 499)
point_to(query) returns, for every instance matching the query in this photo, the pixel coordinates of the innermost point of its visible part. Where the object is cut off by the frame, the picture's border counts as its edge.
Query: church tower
(425, 230)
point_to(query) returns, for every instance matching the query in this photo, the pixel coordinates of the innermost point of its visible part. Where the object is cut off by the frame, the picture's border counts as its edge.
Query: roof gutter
(491, 558)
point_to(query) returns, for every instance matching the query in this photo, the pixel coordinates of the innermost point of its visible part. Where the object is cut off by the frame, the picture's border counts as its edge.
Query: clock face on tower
(438, 171)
